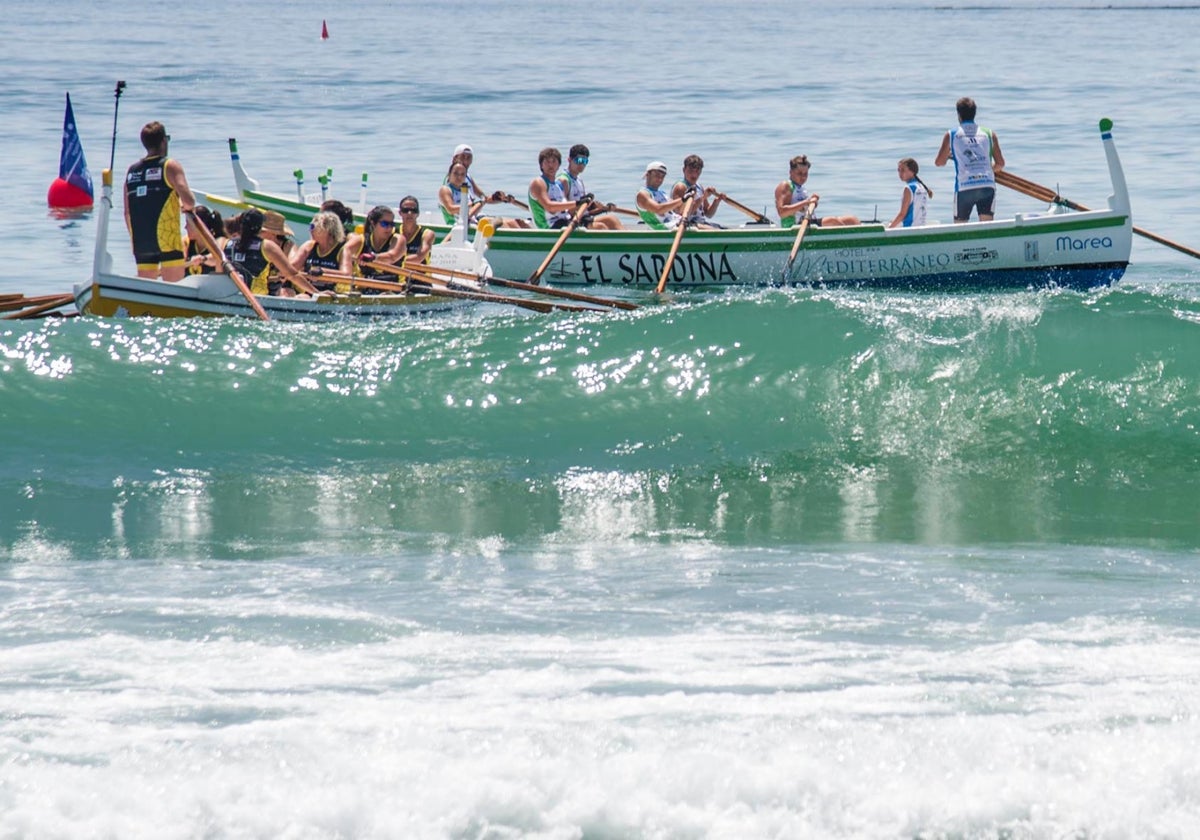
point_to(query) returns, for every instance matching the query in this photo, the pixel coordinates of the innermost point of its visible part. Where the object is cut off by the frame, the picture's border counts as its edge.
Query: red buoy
(63, 195)
(324, 31)
(72, 189)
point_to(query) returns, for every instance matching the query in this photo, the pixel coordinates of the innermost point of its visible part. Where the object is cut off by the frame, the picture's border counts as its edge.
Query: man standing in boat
(977, 159)
(156, 193)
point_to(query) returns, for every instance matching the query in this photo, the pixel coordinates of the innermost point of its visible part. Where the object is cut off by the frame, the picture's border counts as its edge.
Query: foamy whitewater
(767, 563)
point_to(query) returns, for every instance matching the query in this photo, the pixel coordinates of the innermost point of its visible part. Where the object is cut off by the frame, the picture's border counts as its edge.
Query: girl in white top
(915, 200)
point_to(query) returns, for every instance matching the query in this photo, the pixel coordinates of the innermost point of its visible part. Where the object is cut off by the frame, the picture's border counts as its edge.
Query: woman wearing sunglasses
(418, 239)
(378, 243)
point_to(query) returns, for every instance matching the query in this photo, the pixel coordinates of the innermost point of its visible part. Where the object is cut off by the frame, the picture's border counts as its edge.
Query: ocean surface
(773, 563)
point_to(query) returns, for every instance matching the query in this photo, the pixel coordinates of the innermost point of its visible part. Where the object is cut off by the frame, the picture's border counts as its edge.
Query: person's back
(156, 192)
(245, 252)
(976, 153)
(198, 259)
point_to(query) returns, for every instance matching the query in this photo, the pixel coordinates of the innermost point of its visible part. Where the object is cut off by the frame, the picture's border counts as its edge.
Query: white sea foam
(1088, 728)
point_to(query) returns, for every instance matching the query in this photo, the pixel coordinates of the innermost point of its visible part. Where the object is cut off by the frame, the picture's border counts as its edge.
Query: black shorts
(981, 199)
(557, 224)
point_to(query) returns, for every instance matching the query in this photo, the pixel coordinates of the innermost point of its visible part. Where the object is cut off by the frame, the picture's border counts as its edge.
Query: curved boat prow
(1119, 200)
(102, 260)
(460, 254)
(243, 181)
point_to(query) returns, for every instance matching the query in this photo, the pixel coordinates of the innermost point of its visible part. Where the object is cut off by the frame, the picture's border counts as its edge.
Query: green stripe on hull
(744, 240)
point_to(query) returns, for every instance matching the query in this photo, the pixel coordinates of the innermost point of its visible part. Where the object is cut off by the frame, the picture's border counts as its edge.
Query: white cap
(656, 166)
(463, 147)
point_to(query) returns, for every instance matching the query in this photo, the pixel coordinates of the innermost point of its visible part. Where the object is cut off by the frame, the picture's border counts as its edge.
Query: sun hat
(463, 148)
(274, 223)
(656, 166)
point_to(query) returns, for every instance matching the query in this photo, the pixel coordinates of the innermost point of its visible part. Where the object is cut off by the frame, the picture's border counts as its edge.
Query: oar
(683, 215)
(536, 277)
(226, 266)
(54, 302)
(1050, 196)
(754, 214)
(21, 302)
(561, 293)
(808, 214)
(508, 197)
(528, 287)
(441, 288)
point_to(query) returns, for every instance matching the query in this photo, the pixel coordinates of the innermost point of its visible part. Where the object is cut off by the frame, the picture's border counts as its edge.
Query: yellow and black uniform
(331, 261)
(153, 206)
(193, 250)
(250, 262)
(366, 270)
(413, 246)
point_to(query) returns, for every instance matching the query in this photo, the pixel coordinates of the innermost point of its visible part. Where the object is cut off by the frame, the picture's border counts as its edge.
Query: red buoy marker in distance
(324, 31)
(72, 189)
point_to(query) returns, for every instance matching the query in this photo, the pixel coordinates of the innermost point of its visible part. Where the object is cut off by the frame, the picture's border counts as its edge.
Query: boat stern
(1119, 200)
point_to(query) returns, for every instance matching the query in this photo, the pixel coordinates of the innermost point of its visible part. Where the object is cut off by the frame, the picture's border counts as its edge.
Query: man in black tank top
(156, 192)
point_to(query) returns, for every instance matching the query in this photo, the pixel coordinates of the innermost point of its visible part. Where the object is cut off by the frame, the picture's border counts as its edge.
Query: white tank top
(971, 148)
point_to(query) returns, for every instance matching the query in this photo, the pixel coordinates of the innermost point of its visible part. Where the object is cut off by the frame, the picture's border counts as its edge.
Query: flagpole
(112, 155)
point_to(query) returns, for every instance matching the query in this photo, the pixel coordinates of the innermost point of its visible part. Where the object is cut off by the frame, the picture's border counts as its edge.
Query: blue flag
(72, 168)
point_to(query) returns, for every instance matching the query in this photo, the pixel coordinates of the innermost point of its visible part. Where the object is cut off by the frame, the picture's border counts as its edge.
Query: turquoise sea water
(772, 563)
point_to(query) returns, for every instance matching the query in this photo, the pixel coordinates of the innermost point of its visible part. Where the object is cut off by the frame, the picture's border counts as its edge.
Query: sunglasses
(385, 223)
(409, 210)
(311, 226)
(582, 161)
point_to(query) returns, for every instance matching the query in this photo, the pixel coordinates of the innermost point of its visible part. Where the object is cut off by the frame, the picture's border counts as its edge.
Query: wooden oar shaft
(21, 302)
(421, 269)
(580, 212)
(439, 284)
(808, 214)
(227, 267)
(683, 216)
(754, 214)
(1050, 196)
(54, 302)
(560, 293)
(1162, 240)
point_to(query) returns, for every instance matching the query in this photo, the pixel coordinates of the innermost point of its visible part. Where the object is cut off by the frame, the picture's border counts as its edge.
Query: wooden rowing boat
(298, 209)
(1054, 247)
(110, 293)
(1051, 247)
